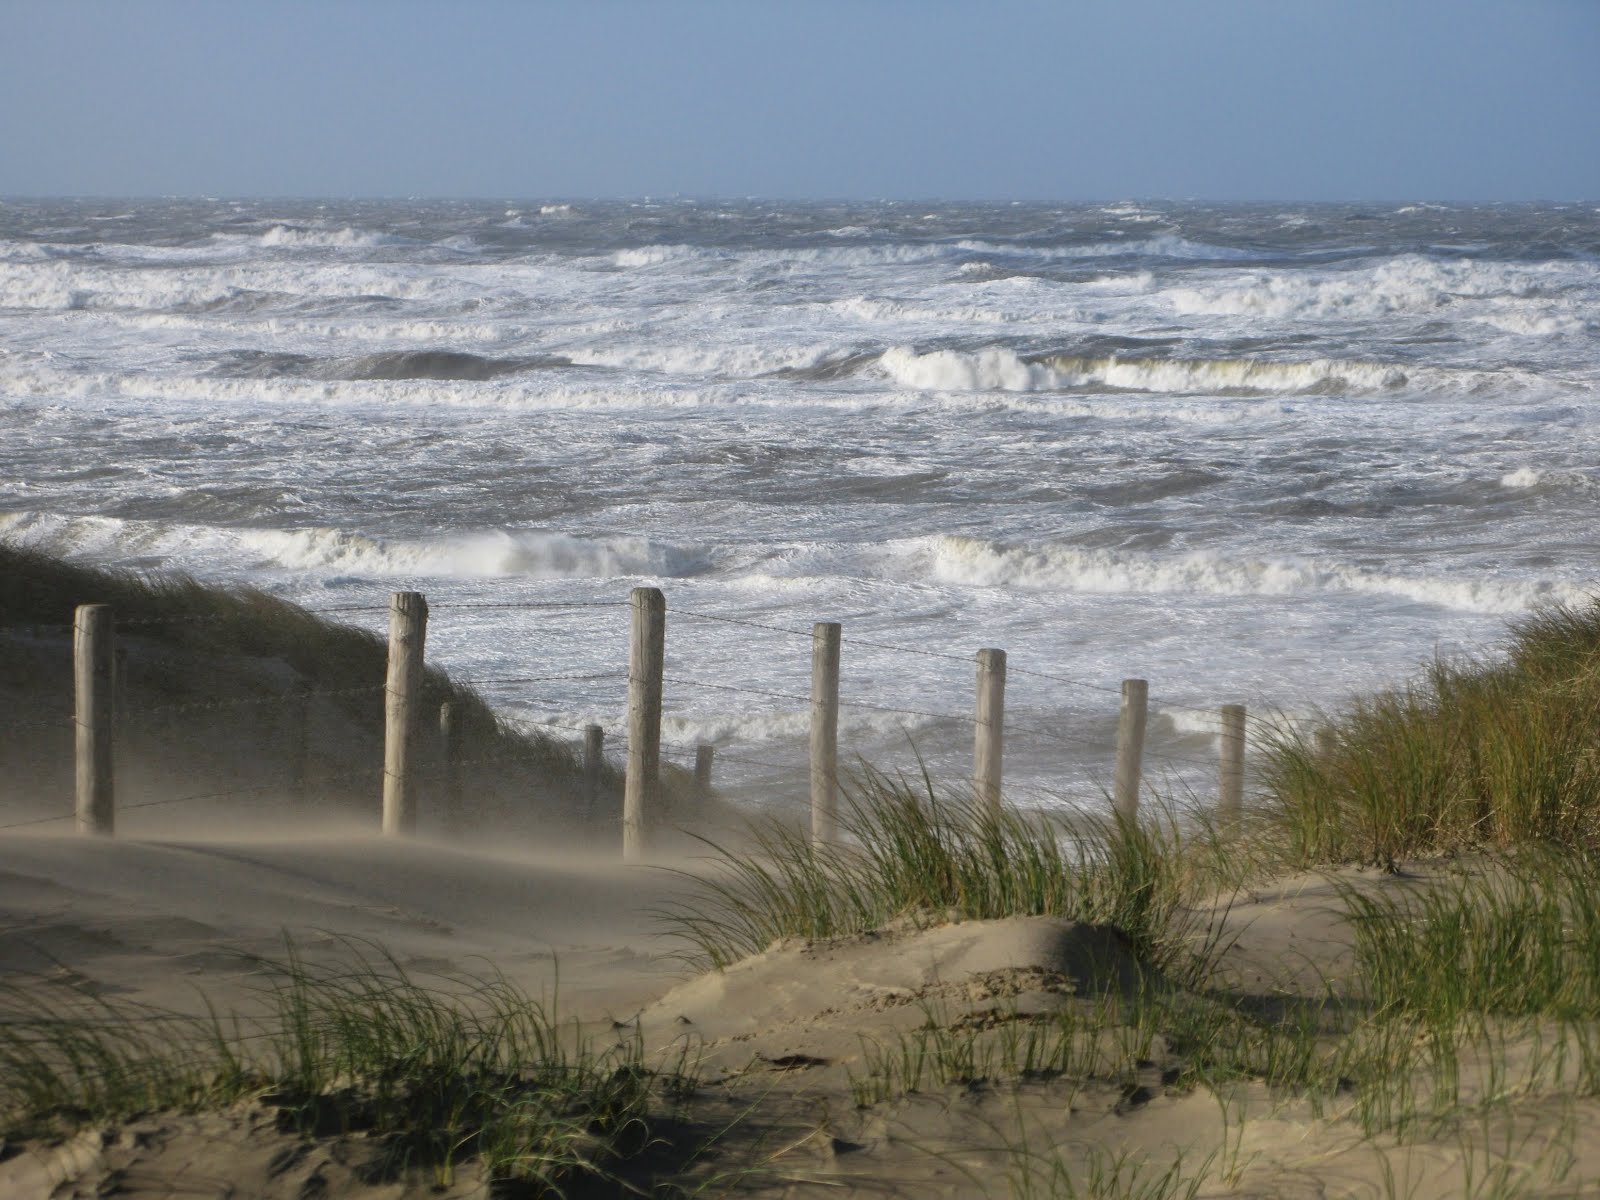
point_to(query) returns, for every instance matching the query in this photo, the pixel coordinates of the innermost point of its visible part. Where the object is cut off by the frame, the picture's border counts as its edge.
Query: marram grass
(1495, 752)
(464, 1069)
(909, 853)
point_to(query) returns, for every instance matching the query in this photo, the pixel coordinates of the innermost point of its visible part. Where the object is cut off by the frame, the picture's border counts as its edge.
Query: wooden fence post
(454, 792)
(1130, 747)
(704, 754)
(1230, 766)
(594, 742)
(825, 639)
(93, 656)
(121, 709)
(646, 662)
(408, 630)
(299, 716)
(988, 747)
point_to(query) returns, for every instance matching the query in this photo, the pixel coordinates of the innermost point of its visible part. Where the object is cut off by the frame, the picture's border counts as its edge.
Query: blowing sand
(787, 1038)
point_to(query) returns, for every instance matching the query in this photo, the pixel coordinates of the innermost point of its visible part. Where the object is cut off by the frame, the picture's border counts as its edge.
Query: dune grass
(432, 1074)
(1469, 994)
(247, 655)
(910, 853)
(1494, 752)
(200, 627)
(1517, 934)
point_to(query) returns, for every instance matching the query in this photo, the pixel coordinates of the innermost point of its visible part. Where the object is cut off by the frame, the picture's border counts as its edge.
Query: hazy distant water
(1264, 454)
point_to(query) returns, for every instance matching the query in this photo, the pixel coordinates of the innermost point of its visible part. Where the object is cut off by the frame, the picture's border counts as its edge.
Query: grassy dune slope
(1384, 982)
(1495, 752)
(207, 697)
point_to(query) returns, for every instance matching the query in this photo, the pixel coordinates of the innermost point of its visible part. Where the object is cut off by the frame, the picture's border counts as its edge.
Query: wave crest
(1055, 567)
(999, 369)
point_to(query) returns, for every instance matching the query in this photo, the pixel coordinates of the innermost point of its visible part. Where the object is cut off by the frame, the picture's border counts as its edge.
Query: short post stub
(408, 631)
(646, 664)
(825, 639)
(1130, 747)
(1230, 765)
(122, 710)
(451, 745)
(988, 747)
(1325, 741)
(594, 749)
(93, 664)
(704, 754)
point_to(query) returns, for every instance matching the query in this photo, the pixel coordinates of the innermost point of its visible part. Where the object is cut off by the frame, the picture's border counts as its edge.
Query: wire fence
(1066, 756)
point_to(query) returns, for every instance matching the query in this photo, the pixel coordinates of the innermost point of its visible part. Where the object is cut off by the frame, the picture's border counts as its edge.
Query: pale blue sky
(1010, 99)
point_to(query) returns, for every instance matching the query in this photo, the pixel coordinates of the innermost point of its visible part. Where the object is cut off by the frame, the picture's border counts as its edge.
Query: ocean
(1275, 455)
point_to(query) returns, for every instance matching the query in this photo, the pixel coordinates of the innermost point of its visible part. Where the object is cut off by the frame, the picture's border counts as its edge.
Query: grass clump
(466, 1070)
(1475, 753)
(908, 853)
(1519, 935)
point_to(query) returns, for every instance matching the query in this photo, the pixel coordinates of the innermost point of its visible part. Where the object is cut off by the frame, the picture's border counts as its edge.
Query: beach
(783, 1041)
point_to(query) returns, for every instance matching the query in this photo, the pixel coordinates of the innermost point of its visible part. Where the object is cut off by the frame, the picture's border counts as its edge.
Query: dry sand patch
(785, 1039)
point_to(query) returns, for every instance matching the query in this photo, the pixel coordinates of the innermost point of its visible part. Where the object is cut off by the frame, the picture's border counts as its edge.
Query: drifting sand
(781, 1034)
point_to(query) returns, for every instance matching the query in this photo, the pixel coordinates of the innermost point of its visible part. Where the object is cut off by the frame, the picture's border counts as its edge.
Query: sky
(1226, 100)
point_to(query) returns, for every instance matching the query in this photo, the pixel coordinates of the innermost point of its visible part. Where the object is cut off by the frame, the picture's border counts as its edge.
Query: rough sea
(1275, 455)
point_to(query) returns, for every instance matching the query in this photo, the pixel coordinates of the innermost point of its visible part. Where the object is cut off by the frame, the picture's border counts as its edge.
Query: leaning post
(408, 630)
(988, 746)
(1130, 747)
(704, 755)
(646, 664)
(594, 748)
(454, 790)
(825, 639)
(1230, 766)
(93, 658)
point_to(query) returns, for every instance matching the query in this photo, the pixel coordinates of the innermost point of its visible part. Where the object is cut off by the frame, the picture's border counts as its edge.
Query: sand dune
(786, 1039)
(158, 921)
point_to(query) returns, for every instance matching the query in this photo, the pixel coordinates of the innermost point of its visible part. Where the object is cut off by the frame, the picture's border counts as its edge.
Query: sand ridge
(785, 1037)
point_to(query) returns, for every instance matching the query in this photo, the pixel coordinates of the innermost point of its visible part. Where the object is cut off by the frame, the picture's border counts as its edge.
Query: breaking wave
(486, 554)
(999, 369)
(1054, 567)
(1407, 284)
(394, 365)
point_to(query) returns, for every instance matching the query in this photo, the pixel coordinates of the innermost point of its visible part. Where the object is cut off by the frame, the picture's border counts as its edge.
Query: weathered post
(646, 662)
(594, 742)
(988, 747)
(1230, 766)
(1130, 747)
(298, 714)
(1325, 741)
(704, 754)
(825, 638)
(93, 637)
(408, 629)
(450, 746)
(121, 709)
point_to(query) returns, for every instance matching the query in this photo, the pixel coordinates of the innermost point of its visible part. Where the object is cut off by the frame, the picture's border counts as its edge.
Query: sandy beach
(785, 1041)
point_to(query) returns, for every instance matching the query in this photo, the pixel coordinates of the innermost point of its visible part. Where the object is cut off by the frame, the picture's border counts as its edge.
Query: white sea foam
(475, 555)
(1408, 284)
(346, 238)
(978, 562)
(951, 370)
(1248, 461)
(1003, 370)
